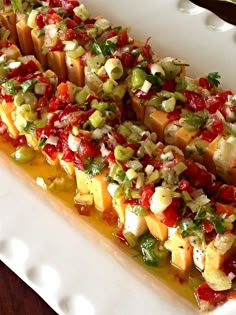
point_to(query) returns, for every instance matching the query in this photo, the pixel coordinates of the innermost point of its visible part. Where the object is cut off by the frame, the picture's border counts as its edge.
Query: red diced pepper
(227, 194)
(169, 85)
(171, 213)
(215, 298)
(123, 38)
(39, 20)
(175, 115)
(50, 150)
(195, 102)
(146, 50)
(203, 82)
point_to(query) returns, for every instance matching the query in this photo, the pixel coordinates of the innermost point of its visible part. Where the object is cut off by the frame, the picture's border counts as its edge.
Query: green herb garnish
(213, 78)
(28, 84)
(94, 168)
(195, 120)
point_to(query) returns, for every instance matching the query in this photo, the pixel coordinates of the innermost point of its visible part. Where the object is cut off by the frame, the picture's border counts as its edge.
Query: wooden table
(17, 298)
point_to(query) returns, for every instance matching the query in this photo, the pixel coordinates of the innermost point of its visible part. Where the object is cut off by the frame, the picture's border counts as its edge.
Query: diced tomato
(110, 216)
(132, 201)
(58, 47)
(7, 98)
(50, 150)
(203, 82)
(146, 50)
(146, 194)
(24, 69)
(169, 85)
(111, 33)
(39, 20)
(207, 226)
(122, 38)
(144, 96)
(45, 132)
(56, 103)
(77, 19)
(111, 158)
(230, 265)
(63, 90)
(83, 117)
(175, 115)
(88, 149)
(184, 185)
(213, 104)
(171, 213)
(90, 22)
(41, 102)
(208, 135)
(83, 35)
(198, 176)
(52, 18)
(119, 137)
(217, 126)
(68, 155)
(213, 189)
(224, 95)
(151, 160)
(128, 60)
(83, 210)
(20, 141)
(49, 86)
(70, 34)
(70, 23)
(227, 194)
(215, 298)
(195, 102)
(224, 209)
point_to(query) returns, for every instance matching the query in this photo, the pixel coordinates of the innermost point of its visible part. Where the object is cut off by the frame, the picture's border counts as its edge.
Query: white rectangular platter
(67, 265)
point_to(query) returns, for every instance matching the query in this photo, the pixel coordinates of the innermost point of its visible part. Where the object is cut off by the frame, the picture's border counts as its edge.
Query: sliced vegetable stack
(162, 201)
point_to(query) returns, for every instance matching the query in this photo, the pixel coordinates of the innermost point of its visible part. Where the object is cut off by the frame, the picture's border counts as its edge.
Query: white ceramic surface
(71, 271)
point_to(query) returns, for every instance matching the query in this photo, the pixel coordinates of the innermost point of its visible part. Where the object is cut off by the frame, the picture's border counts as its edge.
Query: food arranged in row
(195, 115)
(72, 104)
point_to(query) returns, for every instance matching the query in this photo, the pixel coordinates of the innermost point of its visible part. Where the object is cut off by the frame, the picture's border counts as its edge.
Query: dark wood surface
(17, 298)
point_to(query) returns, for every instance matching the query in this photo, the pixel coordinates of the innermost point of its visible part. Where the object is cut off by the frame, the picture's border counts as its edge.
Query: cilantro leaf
(9, 87)
(96, 49)
(28, 84)
(105, 48)
(95, 168)
(194, 120)
(109, 47)
(153, 250)
(42, 142)
(213, 78)
(148, 247)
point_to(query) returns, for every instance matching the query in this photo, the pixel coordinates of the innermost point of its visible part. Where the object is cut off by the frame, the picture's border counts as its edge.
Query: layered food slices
(196, 115)
(166, 206)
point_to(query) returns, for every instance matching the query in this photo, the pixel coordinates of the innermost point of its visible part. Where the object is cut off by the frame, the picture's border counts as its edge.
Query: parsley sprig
(213, 78)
